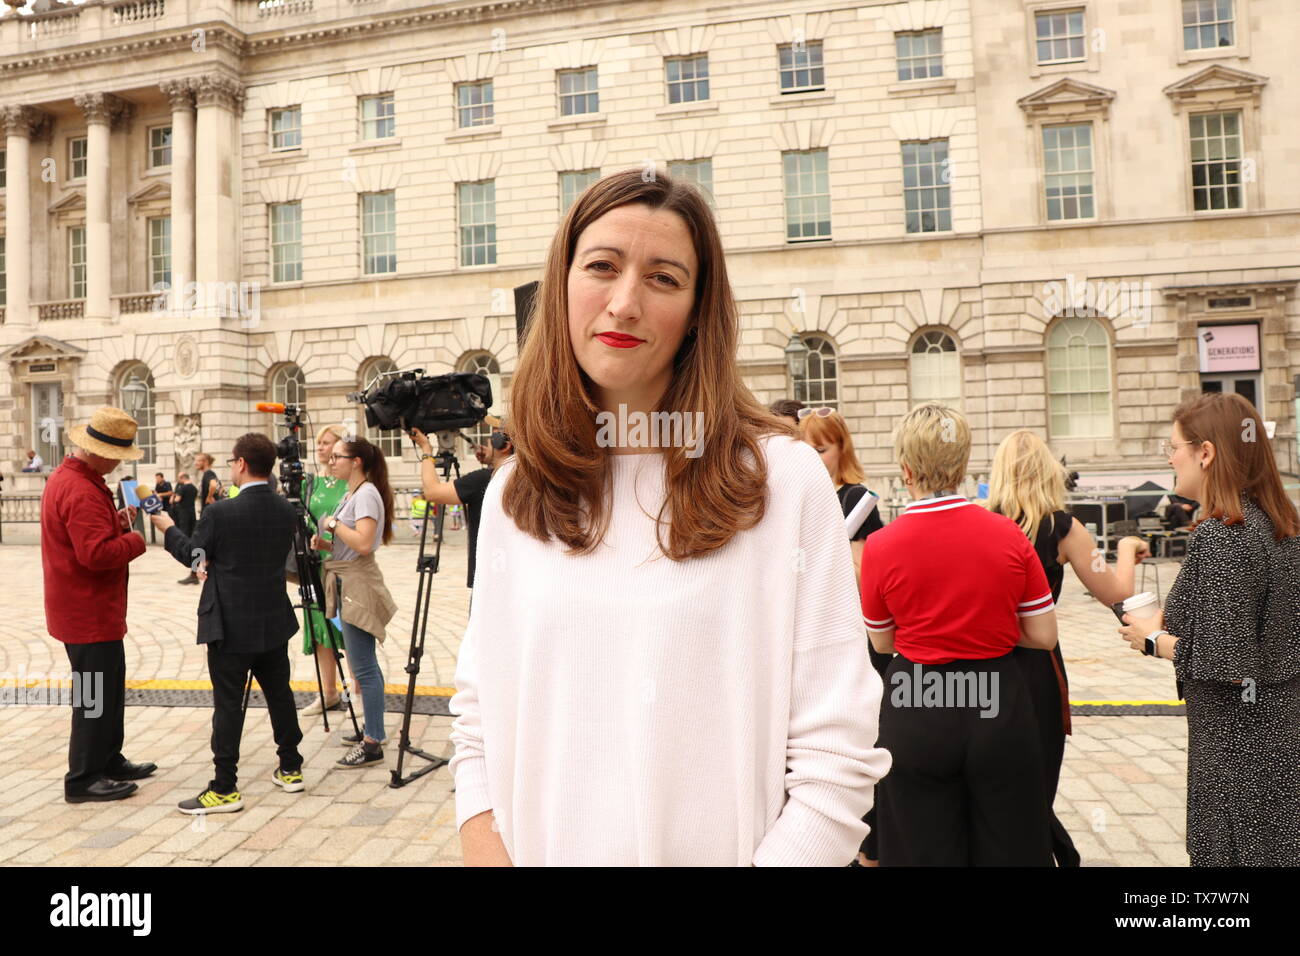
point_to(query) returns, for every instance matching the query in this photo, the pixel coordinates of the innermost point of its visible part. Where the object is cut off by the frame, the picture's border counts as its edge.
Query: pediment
(1067, 92)
(39, 347)
(75, 201)
(1216, 78)
(150, 193)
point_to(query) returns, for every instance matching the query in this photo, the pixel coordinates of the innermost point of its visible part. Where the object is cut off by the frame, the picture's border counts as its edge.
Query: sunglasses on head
(819, 412)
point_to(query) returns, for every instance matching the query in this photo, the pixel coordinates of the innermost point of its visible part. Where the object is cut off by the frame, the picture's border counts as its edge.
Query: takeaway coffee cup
(1141, 606)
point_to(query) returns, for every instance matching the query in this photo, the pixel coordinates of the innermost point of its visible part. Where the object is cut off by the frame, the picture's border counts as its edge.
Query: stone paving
(1122, 792)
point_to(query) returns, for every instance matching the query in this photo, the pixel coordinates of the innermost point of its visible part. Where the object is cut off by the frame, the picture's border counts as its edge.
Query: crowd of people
(728, 658)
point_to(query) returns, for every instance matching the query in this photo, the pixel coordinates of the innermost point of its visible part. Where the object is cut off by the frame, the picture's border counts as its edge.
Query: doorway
(1244, 384)
(47, 422)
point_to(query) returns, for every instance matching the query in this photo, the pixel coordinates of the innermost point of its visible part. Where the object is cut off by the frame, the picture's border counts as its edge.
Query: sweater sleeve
(1229, 577)
(832, 762)
(99, 544)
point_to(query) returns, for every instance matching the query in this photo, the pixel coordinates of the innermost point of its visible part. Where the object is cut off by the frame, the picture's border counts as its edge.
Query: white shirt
(614, 710)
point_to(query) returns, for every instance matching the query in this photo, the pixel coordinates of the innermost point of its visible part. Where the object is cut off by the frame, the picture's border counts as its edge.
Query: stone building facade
(1034, 209)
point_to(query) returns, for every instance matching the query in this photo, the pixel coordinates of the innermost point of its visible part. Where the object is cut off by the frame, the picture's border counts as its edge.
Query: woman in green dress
(326, 492)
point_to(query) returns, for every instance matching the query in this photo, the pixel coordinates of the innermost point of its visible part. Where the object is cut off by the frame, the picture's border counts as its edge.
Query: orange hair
(833, 430)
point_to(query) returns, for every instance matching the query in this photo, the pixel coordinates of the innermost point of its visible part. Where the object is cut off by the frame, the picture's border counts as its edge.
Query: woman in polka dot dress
(1231, 625)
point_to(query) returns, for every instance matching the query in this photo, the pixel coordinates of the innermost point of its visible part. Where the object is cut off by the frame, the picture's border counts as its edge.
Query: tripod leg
(347, 691)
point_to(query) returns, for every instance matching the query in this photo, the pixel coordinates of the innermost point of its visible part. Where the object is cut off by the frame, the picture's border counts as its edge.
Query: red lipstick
(618, 340)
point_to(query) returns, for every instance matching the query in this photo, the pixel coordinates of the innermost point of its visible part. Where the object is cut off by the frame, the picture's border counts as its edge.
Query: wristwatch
(331, 523)
(430, 457)
(1151, 650)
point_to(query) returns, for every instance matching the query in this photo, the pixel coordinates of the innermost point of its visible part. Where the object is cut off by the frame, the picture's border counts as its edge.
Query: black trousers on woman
(1045, 676)
(966, 785)
(870, 847)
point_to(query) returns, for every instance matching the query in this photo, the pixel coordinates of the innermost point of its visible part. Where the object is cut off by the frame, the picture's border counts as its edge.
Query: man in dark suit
(245, 617)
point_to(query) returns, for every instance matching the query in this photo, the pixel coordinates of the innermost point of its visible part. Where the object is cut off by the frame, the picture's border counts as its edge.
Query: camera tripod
(426, 567)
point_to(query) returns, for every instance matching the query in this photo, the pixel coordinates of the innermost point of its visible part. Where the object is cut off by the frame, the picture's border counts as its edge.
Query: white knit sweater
(619, 708)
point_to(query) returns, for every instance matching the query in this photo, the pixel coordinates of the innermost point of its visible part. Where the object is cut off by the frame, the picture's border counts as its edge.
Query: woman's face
(830, 453)
(1186, 463)
(343, 467)
(324, 445)
(631, 292)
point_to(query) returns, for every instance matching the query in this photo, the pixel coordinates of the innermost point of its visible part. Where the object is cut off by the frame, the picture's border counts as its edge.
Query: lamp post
(133, 395)
(796, 360)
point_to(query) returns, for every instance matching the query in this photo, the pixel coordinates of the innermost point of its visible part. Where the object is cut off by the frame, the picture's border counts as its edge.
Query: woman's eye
(594, 264)
(671, 280)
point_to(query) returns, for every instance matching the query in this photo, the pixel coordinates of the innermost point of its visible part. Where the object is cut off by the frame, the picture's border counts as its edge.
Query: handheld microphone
(151, 504)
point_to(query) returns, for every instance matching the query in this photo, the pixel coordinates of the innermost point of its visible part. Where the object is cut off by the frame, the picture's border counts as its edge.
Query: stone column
(181, 94)
(102, 111)
(220, 100)
(22, 124)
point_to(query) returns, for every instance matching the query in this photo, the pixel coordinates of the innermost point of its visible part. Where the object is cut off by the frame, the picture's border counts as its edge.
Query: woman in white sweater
(666, 663)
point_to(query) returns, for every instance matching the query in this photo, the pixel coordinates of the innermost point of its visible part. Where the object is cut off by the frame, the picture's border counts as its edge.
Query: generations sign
(1228, 348)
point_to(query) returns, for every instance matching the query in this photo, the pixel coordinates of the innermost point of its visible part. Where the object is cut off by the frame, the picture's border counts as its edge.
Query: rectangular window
(578, 91)
(379, 232)
(927, 197)
(801, 66)
(474, 104)
(77, 157)
(572, 185)
(920, 55)
(286, 242)
(160, 252)
(160, 146)
(697, 172)
(477, 205)
(378, 117)
(77, 262)
(1060, 36)
(807, 195)
(286, 128)
(1207, 24)
(688, 78)
(1216, 161)
(1068, 172)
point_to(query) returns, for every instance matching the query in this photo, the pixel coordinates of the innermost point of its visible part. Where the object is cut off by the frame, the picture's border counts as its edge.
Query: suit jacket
(244, 603)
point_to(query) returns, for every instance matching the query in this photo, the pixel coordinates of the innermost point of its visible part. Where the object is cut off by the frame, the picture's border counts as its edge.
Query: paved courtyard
(1122, 792)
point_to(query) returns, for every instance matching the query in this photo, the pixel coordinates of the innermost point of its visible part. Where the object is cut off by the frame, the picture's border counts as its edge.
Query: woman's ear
(1208, 451)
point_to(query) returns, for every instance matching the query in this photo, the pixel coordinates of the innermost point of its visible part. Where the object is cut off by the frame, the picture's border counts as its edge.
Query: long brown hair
(376, 471)
(1243, 461)
(561, 477)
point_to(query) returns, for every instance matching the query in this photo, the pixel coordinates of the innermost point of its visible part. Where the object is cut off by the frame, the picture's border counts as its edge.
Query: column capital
(180, 91)
(219, 89)
(26, 121)
(104, 108)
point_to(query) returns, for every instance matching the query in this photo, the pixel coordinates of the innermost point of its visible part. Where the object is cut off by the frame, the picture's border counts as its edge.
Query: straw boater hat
(110, 434)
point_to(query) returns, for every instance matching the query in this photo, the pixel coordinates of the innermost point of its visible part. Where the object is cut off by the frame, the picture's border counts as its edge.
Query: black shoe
(131, 771)
(362, 755)
(349, 740)
(192, 579)
(101, 791)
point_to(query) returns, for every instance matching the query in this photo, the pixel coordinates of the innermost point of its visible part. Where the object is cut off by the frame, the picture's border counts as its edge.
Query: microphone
(276, 408)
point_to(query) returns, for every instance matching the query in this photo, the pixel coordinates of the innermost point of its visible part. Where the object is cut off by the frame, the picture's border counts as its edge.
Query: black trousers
(1040, 670)
(229, 674)
(185, 521)
(965, 789)
(95, 747)
(870, 847)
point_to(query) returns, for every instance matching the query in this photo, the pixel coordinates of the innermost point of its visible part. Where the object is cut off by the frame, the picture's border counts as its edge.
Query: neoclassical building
(1058, 214)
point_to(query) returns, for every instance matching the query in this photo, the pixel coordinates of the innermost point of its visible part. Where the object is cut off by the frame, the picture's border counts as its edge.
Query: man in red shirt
(85, 547)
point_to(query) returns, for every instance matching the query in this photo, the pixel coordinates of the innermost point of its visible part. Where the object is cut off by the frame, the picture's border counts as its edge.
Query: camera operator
(245, 617)
(468, 489)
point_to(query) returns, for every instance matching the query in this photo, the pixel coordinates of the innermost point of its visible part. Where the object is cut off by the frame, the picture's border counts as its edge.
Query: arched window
(935, 369)
(820, 384)
(288, 385)
(485, 364)
(1078, 379)
(389, 442)
(140, 404)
